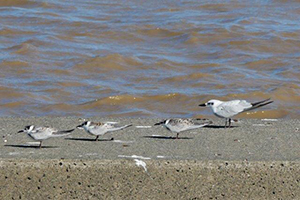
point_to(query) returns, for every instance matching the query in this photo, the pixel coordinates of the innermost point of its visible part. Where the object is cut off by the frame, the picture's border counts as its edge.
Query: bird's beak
(20, 131)
(159, 123)
(202, 105)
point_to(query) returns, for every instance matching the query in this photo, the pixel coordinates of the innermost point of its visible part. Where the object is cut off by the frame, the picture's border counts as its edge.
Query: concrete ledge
(164, 179)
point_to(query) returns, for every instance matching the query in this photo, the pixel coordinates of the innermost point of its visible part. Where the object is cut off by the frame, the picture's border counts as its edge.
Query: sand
(256, 159)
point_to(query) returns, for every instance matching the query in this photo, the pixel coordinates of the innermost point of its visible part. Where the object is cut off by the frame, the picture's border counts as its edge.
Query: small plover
(43, 133)
(228, 109)
(100, 128)
(179, 125)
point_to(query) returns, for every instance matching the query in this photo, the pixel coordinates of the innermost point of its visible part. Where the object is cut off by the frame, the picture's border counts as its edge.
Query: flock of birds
(222, 109)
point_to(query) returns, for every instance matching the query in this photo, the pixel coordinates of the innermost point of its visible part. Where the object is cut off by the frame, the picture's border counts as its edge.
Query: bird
(178, 125)
(228, 109)
(43, 133)
(101, 128)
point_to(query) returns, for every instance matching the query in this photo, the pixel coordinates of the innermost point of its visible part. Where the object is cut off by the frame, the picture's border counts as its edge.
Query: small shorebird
(43, 133)
(228, 109)
(179, 125)
(101, 128)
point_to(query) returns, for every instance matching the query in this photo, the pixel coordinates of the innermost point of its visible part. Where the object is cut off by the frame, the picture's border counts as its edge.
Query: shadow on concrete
(90, 139)
(217, 126)
(166, 137)
(29, 146)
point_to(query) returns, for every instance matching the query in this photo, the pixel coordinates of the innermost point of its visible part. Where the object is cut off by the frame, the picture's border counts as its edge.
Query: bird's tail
(62, 133)
(120, 127)
(159, 123)
(128, 125)
(259, 104)
(200, 123)
(203, 122)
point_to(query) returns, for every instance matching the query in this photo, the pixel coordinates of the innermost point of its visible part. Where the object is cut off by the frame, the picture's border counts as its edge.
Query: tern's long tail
(259, 104)
(202, 125)
(62, 133)
(120, 128)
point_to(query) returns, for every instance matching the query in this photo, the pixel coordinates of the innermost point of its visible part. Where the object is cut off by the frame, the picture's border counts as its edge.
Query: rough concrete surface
(123, 179)
(256, 159)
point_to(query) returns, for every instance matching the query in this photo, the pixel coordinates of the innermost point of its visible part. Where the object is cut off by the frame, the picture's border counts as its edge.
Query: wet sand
(254, 159)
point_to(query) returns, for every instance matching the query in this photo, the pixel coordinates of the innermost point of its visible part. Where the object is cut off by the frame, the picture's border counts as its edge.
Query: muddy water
(147, 58)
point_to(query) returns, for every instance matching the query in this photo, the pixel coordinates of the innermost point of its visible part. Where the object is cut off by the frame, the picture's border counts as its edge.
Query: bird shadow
(29, 146)
(90, 139)
(166, 137)
(217, 126)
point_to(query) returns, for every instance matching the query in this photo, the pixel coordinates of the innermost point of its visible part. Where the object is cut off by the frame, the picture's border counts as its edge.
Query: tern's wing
(101, 128)
(39, 130)
(40, 133)
(111, 122)
(56, 133)
(195, 123)
(231, 108)
(178, 125)
(259, 104)
(115, 126)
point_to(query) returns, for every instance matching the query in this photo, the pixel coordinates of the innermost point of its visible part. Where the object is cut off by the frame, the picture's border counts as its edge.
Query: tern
(179, 125)
(101, 128)
(228, 109)
(43, 133)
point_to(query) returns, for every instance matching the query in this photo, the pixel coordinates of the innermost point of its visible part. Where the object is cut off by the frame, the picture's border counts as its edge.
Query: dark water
(147, 58)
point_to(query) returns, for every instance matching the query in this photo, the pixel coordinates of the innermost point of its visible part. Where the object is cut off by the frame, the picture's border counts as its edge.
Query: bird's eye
(212, 104)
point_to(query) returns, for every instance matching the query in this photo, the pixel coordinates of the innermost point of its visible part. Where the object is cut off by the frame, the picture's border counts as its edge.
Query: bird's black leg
(40, 144)
(225, 122)
(97, 138)
(177, 135)
(229, 122)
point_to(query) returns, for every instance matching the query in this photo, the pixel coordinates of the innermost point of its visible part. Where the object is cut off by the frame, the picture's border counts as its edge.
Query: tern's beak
(20, 131)
(159, 123)
(202, 105)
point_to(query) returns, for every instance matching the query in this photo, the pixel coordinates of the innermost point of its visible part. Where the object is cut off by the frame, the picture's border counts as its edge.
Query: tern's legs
(177, 135)
(40, 144)
(229, 122)
(97, 138)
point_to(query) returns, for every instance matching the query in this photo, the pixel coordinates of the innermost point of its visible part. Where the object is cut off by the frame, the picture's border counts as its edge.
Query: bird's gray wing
(115, 126)
(56, 133)
(179, 125)
(231, 108)
(195, 123)
(40, 130)
(40, 133)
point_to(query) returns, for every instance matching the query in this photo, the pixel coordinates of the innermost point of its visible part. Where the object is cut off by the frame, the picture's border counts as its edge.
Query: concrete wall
(164, 179)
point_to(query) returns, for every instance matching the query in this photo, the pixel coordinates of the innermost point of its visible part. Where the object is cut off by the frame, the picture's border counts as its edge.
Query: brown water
(147, 58)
